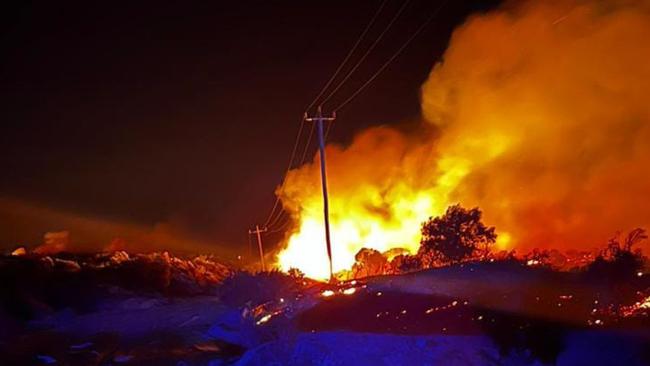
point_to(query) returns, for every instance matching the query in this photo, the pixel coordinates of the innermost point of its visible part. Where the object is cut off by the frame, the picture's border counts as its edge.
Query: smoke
(48, 230)
(538, 113)
(54, 242)
(548, 105)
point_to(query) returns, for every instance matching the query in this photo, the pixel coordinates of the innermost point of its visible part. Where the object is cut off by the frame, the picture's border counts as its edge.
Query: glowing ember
(327, 293)
(640, 307)
(264, 319)
(645, 304)
(349, 291)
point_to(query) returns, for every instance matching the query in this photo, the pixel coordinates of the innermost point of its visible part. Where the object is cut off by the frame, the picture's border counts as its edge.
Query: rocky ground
(471, 314)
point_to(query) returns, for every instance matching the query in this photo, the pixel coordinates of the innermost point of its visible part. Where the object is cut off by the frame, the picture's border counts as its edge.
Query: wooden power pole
(319, 119)
(258, 231)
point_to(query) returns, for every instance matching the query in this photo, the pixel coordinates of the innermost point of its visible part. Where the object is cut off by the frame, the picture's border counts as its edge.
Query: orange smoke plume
(538, 113)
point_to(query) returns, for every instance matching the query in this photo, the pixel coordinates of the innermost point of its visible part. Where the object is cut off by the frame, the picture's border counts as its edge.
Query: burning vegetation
(523, 304)
(537, 113)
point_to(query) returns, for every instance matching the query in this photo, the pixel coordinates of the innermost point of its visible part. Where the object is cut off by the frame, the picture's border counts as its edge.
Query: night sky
(185, 112)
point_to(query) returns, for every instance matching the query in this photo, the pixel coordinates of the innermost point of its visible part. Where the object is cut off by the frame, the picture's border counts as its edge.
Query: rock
(48, 360)
(234, 328)
(78, 347)
(209, 346)
(141, 303)
(344, 348)
(122, 358)
(67, 265)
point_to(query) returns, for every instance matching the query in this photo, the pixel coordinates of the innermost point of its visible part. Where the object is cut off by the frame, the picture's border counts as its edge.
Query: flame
(327, 293)
(641, 307)
(19, 252)
(538, 114)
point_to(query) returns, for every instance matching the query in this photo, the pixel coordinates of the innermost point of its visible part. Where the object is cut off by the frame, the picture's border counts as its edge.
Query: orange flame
(539, 114)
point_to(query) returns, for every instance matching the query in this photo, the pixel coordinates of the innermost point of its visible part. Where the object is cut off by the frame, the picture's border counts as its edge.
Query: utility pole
(319, 119)
(258, 231)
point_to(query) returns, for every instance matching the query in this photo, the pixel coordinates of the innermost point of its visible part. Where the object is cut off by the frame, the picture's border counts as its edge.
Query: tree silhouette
(457, 235)
(619, 261)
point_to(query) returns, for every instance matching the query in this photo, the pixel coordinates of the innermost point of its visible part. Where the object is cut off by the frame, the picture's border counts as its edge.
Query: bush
(617, 266)
(405, 263)
(619, 261)
(369, 262)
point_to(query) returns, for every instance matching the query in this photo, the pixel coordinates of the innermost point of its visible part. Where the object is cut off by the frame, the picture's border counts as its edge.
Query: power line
(275, 206)
(347, 57)
(302, 122)
(278, 217)
(303, 157)
(394, 56)
(311, 132)
(363, 57)
(281, 227)
(390, 60)
(291, 158)
(306, 150)
(272, 219)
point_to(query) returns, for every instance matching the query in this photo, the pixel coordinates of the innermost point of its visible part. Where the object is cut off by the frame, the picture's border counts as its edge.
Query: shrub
(619, 262)
(405, 263)
(369, 262)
